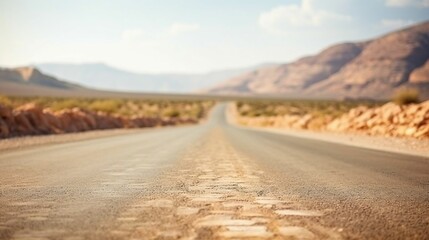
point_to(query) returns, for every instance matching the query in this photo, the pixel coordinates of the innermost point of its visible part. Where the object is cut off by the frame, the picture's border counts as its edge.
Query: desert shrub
(108, 106)
(406, 96)
(173, 113)
(198, 112)
(317, 108)
(64, 104)
(124, 107)
(5, 101)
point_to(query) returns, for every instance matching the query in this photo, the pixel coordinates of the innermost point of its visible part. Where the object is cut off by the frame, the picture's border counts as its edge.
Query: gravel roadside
(29, 141)
(417, 147)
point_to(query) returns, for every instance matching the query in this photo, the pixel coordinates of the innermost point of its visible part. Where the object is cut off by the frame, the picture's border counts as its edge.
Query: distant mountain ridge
(104, 77)
(371, 69)
(32, 76)
(30, 81)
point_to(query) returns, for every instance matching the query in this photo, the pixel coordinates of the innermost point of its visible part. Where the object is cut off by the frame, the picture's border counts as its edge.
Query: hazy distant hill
(31, 76)
(29, 81)
(105, 77)
(371, 69)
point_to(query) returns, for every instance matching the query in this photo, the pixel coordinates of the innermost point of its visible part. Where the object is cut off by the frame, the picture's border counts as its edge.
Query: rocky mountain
(102, 76)
(32, 76)
(371, 69)
(29, 81)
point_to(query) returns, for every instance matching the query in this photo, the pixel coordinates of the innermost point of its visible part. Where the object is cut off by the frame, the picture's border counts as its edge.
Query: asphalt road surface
(211, 181)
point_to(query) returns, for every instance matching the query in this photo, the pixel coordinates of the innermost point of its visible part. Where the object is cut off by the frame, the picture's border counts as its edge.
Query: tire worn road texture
(211, 181)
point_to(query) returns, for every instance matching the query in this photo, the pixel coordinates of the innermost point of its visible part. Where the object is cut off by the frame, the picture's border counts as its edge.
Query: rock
(66, 119)
(388, 112)
(418, 121)
(86, 118)
(79, 120)
(23, 125)
(367, 115)
(31, 119)
(36, 118)
(6, 115)
(53, 122)
(400, 131)
(4, 129)
(422, 132)
(410, 131)
(302, 123)
(387, 120)
(356, 112)
(5, 112)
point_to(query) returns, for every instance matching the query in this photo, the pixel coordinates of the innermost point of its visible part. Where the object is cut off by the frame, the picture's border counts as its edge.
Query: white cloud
(179, 28)
(278, 19)
(406, 3)
(137, 37)
(133, 35)
(396, 23)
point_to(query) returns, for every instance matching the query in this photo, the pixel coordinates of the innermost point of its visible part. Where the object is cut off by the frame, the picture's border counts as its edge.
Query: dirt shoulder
(30, 141)
(417, 147)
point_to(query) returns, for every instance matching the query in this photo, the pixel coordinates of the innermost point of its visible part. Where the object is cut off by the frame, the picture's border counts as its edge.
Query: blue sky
(190, 35)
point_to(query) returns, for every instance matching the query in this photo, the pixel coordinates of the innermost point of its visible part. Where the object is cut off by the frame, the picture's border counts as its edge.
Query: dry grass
(125, 107)
(296, 114)
(299, 107)
(406, 96)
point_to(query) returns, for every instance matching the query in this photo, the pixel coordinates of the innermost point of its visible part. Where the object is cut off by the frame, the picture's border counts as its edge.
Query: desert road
(211, 181)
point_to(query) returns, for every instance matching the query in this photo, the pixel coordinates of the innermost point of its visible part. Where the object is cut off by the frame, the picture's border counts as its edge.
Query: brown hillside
(372, 69)
(32, 76)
